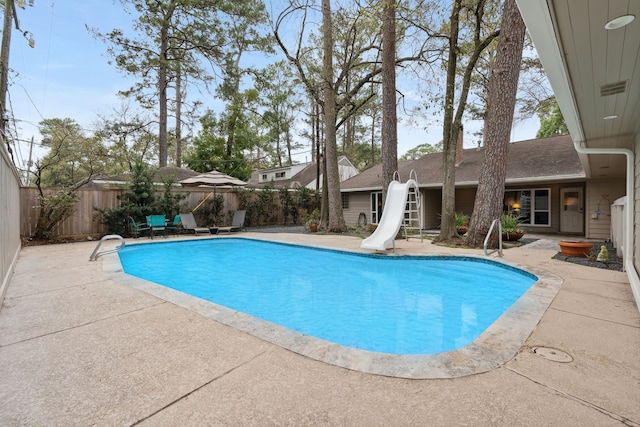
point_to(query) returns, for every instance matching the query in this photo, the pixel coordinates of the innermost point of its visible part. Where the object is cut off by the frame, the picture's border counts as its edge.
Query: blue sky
(67, 74)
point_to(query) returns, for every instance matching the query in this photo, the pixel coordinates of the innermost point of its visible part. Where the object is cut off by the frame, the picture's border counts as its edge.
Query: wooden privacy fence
(82, 222)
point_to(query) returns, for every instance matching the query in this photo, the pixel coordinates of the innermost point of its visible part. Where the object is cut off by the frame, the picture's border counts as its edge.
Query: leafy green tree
(551, 121)
(466, 28)
(210, 150)
(137, 201)
(128, 138)
(73, 159)
(243, 35)
(54, 208)
(171, 41)
(364, 156)
(338, 65)
(279, 96)
(169, 203)
(421, 150)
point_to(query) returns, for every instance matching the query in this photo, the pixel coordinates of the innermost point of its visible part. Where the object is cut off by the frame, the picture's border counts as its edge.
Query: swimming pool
(316, 295)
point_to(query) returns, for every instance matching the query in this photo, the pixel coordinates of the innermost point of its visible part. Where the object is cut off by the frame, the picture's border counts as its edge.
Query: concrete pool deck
(79, 348)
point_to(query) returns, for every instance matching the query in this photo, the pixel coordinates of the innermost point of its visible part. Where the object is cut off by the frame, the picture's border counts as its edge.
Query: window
(376, 207)
(264, 177)
(533, 206)
(281, 174)
(345, 201)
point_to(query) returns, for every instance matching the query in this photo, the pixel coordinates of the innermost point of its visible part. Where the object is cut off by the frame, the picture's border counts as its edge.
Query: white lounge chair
(189, 223)
(237, 224)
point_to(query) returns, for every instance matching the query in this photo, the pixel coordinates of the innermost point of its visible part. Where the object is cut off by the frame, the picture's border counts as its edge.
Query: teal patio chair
(136, 228)
(175, 225)
(157, 223)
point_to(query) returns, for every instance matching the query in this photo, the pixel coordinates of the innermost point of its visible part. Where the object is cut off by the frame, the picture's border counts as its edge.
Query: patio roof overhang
(594, 73)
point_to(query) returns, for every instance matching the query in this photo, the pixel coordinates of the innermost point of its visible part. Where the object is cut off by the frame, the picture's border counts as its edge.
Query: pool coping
(498, 344)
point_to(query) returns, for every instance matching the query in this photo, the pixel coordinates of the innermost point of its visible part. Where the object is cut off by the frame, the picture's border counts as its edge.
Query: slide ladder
(412, 219)
(401, 209)
(94, 256)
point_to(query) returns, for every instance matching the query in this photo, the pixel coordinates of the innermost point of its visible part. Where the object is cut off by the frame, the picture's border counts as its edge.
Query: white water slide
(392, 215)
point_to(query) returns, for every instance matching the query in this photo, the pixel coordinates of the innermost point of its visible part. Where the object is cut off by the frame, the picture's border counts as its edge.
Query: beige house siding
(636, 212)
(465, 198)
(600, 195)
(431, 208)
(358, 202)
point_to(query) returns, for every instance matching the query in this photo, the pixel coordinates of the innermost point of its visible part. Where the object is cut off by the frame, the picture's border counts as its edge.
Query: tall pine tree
(503, 86)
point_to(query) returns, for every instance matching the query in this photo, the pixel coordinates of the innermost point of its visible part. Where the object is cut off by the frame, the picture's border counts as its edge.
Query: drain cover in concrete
(553, 354)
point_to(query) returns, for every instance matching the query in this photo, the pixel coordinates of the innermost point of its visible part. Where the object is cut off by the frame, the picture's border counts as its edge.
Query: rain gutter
(628, 249)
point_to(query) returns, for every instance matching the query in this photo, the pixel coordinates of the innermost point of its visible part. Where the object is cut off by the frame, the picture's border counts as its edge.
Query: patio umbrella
(213, 179)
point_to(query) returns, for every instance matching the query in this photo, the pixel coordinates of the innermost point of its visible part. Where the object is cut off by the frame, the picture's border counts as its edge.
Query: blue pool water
(398, 305)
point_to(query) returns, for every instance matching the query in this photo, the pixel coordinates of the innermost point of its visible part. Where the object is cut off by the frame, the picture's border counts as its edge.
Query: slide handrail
(486, 239)
(393, 214)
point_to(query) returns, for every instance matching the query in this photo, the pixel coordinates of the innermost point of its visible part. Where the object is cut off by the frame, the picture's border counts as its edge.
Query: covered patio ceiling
(594, 72)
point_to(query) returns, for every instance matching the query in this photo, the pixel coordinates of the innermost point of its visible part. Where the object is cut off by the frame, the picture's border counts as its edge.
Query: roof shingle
(549, 159)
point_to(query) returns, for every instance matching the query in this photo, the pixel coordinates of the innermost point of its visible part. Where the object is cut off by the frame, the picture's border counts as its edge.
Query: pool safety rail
(94, 256)
(486, 239)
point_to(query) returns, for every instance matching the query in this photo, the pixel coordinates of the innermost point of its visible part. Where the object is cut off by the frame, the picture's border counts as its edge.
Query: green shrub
(511, 224)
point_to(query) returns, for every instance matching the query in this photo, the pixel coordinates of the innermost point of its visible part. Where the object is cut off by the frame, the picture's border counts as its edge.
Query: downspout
(627, 261)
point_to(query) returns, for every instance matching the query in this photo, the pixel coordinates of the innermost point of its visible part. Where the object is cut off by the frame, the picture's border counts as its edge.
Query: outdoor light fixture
(619, 22)
(29, 36)
(611, 117)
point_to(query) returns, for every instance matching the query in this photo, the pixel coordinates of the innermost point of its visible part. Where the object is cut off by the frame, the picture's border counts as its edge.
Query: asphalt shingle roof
(547, 159)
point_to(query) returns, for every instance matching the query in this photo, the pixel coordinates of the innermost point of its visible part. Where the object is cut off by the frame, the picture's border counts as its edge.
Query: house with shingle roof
(299, 175)
(545, 184)
(160, 175)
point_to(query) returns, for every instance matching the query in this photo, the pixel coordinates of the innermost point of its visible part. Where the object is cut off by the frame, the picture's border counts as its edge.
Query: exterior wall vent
(613, 88)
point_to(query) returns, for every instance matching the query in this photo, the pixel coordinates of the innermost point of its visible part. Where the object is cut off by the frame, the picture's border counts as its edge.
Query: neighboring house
(159, 176)
(545, 184)
(299, 175)
(590, 55)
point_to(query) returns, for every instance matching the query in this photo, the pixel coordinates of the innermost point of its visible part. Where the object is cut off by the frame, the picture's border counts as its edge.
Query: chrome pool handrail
(486, 239)
(94, 256)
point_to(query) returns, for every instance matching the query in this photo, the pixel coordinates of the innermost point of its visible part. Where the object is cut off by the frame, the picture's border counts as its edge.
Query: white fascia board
(537, 15)
(357, 190)
(536, 180)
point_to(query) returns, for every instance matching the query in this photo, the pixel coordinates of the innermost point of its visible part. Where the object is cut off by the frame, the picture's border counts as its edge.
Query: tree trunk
(503, 86)
(453, 123)
(447, 217)
(334, 198)
(178, 118)
(162, 88)
(389, 114)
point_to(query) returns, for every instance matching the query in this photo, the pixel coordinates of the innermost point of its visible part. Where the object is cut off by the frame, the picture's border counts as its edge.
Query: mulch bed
(615, 263)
